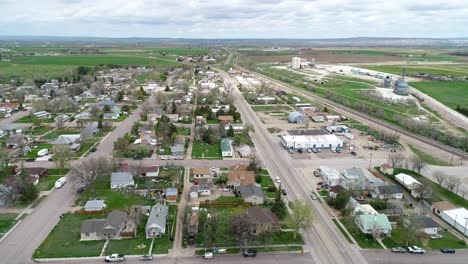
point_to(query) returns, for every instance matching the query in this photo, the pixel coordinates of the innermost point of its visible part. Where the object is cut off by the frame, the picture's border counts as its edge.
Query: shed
(296, 117)
(94, 206)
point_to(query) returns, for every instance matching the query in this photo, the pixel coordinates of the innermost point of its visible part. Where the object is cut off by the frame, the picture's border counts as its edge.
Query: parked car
(278, 180)
(313, 196)
(251, 252)
(60, 182)
(146, 257)
(354, 153)
(316, 173)
(436, 236)
(447, 250)
(291, 151)
(416, 250)
(399, 250)
(314, 150)
(300, 150)
(115, 258)
(309, 151)
(283, 191)
(93, 149)
(208, 255)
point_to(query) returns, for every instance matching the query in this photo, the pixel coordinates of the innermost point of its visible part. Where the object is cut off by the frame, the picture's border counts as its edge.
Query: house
(252, 193)
(37, 172)
(296, 117)
(334, 190)
(318, 118)
(73, 141)
(178, 150)
(331, 176)
(238, 128)
(83, 116)
(117, 225)
(90, 130)
(244, 151)
(456, 217)
(265, 100)
(148, 139)
(150, 171)
(391, 191)
(171, 194)
(173, 117)
(121, 180)
(226, 148)
(111, 116)
(364, 209)
(94, 206)
(61, 117)
(357, 178)
(263, 220)
(409, 183)
(236, 179)
(225, 119)
(387, 169)
(42, 114)
(373, 224)
(426, 224)
(203, 188)
(201, 173)
(156, 224)
(108, 103)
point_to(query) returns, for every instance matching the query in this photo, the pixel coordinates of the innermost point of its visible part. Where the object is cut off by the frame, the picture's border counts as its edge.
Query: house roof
(294, 115)
(121, 177)
(66, 139)
(171, 191)
(201, 171)
(251, 190)
(354, 173)
(425, 221)
(225, 118)
(243, 177)
(205, 186)
(91, 204)
(406, 179)
(444, 205)
(36, 170)
(244, 149)
(239, 167)
(259, 215)
(115, 219)
(93, 225)
(157, 217)
(373, 221)
(225, 144)
(177, 148)
(389, 189)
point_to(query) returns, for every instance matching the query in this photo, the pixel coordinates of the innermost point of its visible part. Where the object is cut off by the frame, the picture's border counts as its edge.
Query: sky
(235, 18)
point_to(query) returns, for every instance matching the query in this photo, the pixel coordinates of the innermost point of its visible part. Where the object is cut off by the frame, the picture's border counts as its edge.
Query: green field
(458, 70)
(449, 93)
(202, 150)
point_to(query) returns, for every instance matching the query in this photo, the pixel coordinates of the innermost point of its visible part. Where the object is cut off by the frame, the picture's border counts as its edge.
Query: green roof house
(226, 148)
(374, 224)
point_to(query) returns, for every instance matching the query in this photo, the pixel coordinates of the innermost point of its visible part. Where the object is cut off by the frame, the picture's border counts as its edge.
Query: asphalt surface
(14, 117)
(387, 257)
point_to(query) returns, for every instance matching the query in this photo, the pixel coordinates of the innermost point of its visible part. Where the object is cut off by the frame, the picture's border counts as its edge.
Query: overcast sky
(235, 18)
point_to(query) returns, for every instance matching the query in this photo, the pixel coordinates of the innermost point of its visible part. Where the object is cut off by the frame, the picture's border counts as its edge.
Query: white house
(331, 176)
(201, 173)
(409, 183)
(373, 224)
(42, 114)
(121, 180)
(227, 150)
(94, 206)
(427, 224)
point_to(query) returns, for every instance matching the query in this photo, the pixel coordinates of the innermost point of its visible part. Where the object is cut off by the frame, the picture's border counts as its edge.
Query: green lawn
(342, 230)
(448, 93)
(64, 240)
(212, 122)
(363, 240)
(36, 131)
(131, 246)
(7, 221)
(33, 152)
(46, 184)
(228, 199)
(57, 172)
(31, 119)
(64, 131)
(448, 241)
(163, 244)
(114, 199)
(209, 151)
(185, 131)
(428, 158)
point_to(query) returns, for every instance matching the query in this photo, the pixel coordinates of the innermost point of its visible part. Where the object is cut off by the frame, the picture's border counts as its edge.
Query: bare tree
(61, 156)
(440, 177)
(241, 228)
(411, 229)
(89, 170)
(395, 159)
(425, 191)
(60, 122)
(137, 168)
(97, 88)
(417, 163)
(302, 215)
(94, 111)
(160, 97)
(212, 230)
(452, 182)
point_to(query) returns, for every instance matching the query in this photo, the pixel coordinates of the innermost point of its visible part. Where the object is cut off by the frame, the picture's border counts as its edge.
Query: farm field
(458, 70)
(448, 93)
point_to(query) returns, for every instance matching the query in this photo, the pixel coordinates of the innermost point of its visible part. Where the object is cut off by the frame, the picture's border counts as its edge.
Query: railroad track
(351, 112)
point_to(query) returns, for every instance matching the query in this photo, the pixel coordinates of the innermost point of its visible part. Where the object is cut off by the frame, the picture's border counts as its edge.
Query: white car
(208, 255)
(115, 258)
(416, 250)
(278, 180)
(60, 182)
(313, 196)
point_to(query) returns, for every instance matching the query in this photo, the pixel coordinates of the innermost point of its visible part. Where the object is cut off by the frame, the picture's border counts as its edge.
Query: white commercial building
(457, 217)
(296, 63)
(310, 142)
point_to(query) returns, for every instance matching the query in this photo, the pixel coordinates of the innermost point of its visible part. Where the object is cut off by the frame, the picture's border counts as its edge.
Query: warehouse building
(311, 141)
(296, 117)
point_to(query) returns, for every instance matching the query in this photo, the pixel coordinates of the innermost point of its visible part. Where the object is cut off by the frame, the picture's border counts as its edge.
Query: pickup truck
(115, 258)
(416, 250)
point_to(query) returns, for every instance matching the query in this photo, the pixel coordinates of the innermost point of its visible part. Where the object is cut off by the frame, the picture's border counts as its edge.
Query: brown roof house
(439, 207)
(263, 220)
(225, 119)
(236, 179)
(201, 173)
(37, 172)
(117, 225)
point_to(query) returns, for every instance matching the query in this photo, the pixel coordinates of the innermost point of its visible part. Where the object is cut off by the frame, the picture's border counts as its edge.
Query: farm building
(296, 117)
(401, 87)
(309, 142)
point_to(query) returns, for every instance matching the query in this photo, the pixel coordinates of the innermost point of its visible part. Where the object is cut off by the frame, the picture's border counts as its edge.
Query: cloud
(235, 18)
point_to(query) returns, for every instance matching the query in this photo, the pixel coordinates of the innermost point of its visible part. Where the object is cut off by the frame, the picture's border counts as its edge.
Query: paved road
(386, 257)
(323, 240)
(14, 117)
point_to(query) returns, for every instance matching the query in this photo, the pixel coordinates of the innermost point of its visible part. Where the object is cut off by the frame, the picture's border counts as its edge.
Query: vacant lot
(203, 150)
(438, 70)
(449, 93)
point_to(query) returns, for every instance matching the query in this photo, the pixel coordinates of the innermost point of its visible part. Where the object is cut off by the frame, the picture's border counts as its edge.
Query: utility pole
(370, 161)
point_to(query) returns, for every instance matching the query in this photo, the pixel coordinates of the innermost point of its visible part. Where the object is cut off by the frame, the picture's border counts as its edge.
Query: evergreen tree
(279, 207)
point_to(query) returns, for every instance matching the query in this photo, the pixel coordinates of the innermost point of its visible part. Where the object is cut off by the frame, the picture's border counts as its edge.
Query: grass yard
(33, 152)
(342, 230)
(448, 241)
(36, 131)
(363, 240)
(398, 239)
(448, 93)
(64, 240)
(162, 244)
(131, 246)
(167, 178)
(114, 199)
(428, 158)
(47, 183)
(203, 150)
(228, 199)
(64, 131)
(265, 108)
(7, 221)
(32, 119)
(212, 121)
(57, 172)
(185, 131)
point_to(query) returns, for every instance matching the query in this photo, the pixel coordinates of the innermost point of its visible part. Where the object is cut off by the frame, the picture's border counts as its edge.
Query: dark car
(30, 159)
(93, 149)
(138, 157)
(447, 250)
(146, 257)
(283, 191)
(354, 153)
(300, 150)
(338, 150)
(251, 252)
(80, 190)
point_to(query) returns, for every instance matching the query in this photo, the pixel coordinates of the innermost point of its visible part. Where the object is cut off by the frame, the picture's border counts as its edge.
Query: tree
(417, 163)
(89, 170)
(230, 132)
(395, 159)
(95, 112)
(341, 199)
(302, 215)
(440, 177)
(452, 182)
(212, 229)
(61, 155)
(167, 88)
(241, 228)
(60, 122)
(254, 164)
(173, 107)
(279, 207)
(29, 193)
(411, 228)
